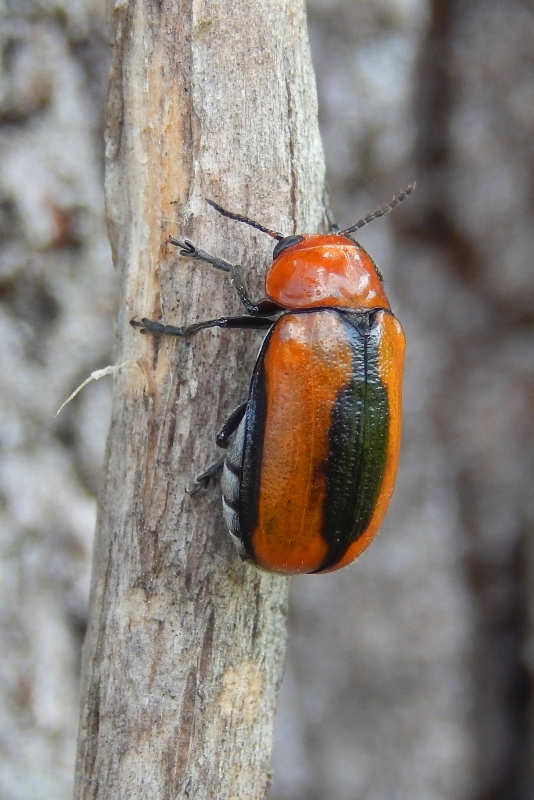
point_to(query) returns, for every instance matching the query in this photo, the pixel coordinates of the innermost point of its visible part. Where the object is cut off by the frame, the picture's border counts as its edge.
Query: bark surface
(410, 673)
(185, 646)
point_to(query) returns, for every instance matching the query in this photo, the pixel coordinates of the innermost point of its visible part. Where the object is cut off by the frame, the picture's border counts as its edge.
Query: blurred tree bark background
(409, 674)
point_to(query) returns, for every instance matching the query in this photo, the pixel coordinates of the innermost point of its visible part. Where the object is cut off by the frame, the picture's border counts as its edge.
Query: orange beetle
(312, 464)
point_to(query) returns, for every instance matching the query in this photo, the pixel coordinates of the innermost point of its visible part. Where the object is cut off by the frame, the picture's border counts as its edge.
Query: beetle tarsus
(158, 328)
(205, 478)
(189, 250)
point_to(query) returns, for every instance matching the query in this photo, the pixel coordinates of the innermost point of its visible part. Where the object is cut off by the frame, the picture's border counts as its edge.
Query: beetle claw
(187, 248)
(202, 482)
(135, 323)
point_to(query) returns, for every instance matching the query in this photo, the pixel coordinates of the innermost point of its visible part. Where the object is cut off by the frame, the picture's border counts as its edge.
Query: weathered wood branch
(185, 647)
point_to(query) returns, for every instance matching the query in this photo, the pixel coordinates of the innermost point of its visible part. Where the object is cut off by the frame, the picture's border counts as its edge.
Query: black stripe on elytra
(249, 491)
(358, 442)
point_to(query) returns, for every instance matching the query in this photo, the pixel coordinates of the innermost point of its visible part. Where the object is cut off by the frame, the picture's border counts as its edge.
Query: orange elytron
(312, 463)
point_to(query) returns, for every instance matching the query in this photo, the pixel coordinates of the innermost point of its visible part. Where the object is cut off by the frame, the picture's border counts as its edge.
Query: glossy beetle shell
(325, 270)
(311, 471)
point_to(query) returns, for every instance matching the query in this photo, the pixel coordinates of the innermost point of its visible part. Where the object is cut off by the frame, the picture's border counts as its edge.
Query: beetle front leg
(262, 307)
(189, 250)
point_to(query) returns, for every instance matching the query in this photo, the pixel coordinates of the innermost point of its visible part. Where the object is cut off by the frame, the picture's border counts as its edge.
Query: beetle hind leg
(231, 425)
(227, 430)
(205, 478)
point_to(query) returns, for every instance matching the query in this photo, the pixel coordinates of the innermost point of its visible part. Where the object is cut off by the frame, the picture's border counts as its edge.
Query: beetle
(314, 449)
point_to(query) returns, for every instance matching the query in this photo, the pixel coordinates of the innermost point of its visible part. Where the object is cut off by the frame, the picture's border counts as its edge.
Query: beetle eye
(283, 244)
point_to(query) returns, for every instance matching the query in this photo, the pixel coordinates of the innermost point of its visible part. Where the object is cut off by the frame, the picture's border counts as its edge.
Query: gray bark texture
(410, 674)
(185, 647)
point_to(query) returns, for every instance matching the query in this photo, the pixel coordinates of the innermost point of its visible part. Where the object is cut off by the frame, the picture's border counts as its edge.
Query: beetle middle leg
(189, 250)
(158, 328)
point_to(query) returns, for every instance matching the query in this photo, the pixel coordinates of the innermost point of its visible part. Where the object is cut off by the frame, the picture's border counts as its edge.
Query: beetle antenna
(246, 220)
(380, 212)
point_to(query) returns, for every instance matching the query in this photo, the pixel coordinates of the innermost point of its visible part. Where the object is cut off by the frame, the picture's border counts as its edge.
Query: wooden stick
(184, 652)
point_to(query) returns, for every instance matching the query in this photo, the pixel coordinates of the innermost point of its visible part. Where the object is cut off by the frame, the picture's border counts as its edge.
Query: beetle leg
(158, 328)
(189, 250)
(204, 480)
(231, 425)
(262, 307)
(237, 277)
